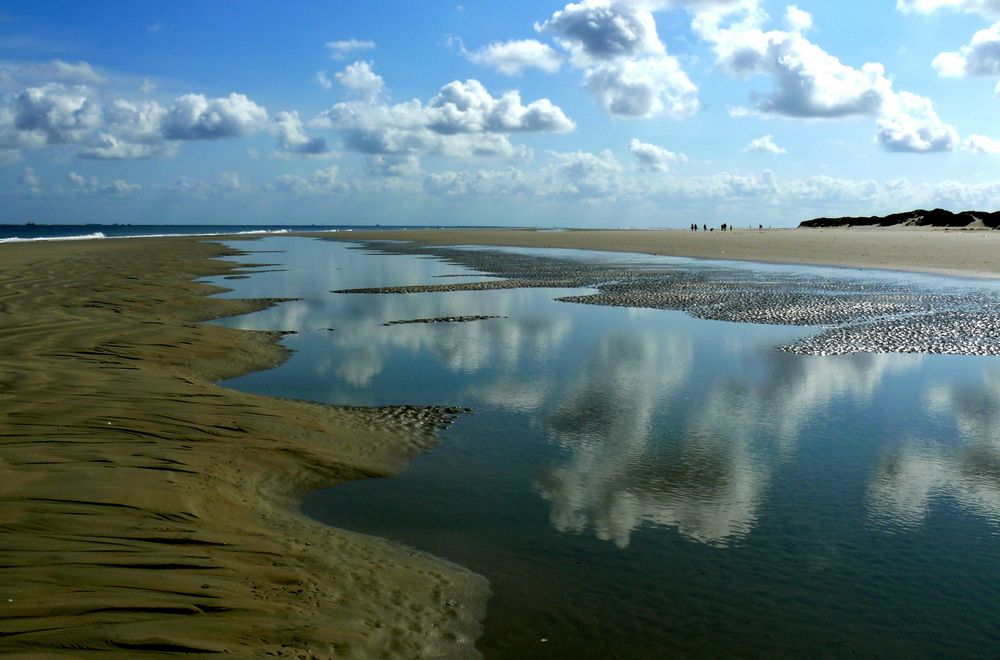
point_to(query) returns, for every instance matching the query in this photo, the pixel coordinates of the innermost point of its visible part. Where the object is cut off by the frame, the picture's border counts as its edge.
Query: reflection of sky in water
(633, 446)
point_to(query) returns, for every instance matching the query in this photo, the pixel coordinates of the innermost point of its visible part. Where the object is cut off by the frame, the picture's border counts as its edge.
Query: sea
(645, 483)
(46, 232)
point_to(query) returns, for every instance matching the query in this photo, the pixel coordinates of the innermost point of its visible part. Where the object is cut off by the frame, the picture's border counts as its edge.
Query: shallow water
(641, 483)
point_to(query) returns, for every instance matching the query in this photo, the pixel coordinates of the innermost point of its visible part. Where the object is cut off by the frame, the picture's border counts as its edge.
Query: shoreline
(972, 253)
(146, 509)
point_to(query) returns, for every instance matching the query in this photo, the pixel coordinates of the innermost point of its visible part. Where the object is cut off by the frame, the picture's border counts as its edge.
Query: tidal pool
(643, 483)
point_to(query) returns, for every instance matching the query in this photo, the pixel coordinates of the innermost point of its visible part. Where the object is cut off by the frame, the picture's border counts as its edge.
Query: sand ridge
(145, 509)
(960, 253)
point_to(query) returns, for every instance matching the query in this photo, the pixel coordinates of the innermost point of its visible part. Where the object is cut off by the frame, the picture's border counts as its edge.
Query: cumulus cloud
(653, 158)
(195, 117)
(583, 174)
(797, 20)
(513, 57)
(502, 183)
(764, 145)
(140, 121)
(91, 186)
(467, 107)
(811, 83)
(981, 7)
(643, 88)
(30, 180)
(980, 144)
(320, 181)
(359, 79)
(625, 64)
(322, 80)
(55, 114)
(29, 74)
(981, 57)
(292, 137)
(463, 119)
(59, 114)
(909, 124)
(107, 146)
(393, 166)
(599, 30)
(341, 50)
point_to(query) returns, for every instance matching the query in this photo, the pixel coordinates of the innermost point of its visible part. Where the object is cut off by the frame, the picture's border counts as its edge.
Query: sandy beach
(144, 508)
(972, 253)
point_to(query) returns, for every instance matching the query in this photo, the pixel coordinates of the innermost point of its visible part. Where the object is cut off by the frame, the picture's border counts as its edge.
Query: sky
(599, 113)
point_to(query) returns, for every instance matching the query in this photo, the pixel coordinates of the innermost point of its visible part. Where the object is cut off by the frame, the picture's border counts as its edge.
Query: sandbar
(965, 253)
(145, 509)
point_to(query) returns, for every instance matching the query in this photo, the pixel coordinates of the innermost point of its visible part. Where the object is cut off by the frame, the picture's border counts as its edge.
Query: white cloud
(30, 180)
(107, 146)
(340, 50)
(467, 107)
(764, 144)
(625, 64)
(80, 181)
(195, 117)
(462, 120)
(19, 75)
(909, 124)
(501, 183)
(981, 144)
(583, 174)
(360, 79)
(513, 57)
(322, 80)
(653, 158)
(981, 7)
(393, 166)
(292, 137)
(811, 83)
(91, 186)
(319, 182)
(600, 31)
(981, 57)
(140, 121)
(797, 20)
(148, 85)
(645, 87)
(55, 114)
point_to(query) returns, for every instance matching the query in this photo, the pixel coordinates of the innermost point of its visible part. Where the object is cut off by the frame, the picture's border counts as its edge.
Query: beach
(145, 508)
(972, 253)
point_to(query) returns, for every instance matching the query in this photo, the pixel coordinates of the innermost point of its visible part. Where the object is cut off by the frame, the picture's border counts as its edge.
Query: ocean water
(641, 483)
(46, 232)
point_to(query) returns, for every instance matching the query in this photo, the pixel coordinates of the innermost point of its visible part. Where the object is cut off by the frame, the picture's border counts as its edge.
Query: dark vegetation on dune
(918, 218)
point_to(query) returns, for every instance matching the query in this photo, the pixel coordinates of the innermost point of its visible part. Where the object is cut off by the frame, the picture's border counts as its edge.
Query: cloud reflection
(707, 472)
(915, 473)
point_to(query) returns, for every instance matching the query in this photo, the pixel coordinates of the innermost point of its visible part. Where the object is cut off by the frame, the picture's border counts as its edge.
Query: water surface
(641, 483)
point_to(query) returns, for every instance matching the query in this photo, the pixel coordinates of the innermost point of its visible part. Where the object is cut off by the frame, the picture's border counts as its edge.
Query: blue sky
(635, 113)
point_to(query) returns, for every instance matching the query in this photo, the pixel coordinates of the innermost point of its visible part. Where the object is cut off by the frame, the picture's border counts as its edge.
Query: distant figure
(723, 226)
(761, 227)
(704, 227)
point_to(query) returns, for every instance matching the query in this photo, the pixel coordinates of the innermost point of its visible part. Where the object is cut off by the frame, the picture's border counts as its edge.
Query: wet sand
(145, 509)
(970, 253)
